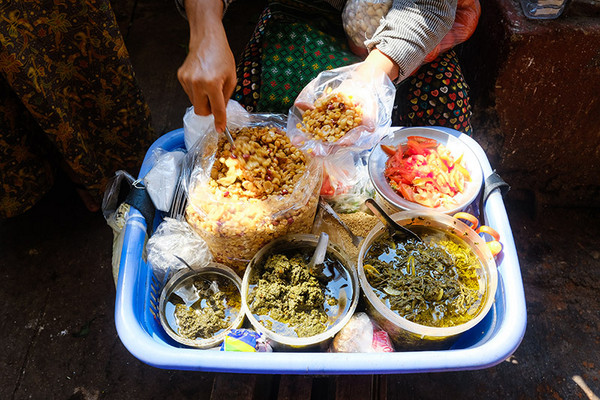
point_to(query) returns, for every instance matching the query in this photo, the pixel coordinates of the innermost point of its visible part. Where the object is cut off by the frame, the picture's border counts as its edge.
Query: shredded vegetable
(425, 172)
(433, 284)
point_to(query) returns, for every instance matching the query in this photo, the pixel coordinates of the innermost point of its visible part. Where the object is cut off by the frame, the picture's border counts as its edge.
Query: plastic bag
(116, 213)
(175, 238)
(245, 340)
(346, 182)
(161, 180)
(372, 94)
(220, 189)
(360, 19)
(195, 126)
(361, 335)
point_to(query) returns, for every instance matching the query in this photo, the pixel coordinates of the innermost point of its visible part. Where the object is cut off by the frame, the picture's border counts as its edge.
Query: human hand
(208, 73)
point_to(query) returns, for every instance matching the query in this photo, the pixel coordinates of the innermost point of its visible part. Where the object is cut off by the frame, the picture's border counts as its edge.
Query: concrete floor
(57, 290)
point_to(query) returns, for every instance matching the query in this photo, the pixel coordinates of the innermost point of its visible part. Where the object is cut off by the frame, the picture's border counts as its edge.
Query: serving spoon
(227, 133)
(188, 294)
(396, 231)
(355, 238)
(319, 255)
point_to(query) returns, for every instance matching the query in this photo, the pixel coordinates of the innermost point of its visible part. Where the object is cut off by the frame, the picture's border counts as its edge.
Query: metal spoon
(188, 294)
(227, 133)
(355, 238)
(396, 230)
(319, 255)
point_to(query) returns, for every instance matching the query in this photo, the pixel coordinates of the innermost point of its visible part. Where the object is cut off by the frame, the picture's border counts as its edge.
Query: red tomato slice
(424, 142)
(389, 150)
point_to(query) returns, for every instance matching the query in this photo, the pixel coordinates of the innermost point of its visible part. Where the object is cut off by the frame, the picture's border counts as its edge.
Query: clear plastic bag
(172, 239)
(161, 180)
(236, 226)
(361, 335)
(195, 126)
(360, 19)
(370, 91)
(116, 213)
(346, 182)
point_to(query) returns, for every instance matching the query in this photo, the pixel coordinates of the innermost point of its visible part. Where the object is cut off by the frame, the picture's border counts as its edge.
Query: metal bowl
(181, 284)
(408, 335)
(395, 201)
(338, 319)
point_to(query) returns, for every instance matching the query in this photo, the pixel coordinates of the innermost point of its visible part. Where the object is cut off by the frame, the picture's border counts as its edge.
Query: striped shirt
(410, 30)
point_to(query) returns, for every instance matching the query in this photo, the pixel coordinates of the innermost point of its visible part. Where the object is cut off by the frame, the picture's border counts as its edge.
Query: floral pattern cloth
(68, 99)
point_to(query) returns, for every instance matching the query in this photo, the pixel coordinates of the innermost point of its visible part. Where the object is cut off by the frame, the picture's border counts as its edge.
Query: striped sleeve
(180, 4)
(411, 30)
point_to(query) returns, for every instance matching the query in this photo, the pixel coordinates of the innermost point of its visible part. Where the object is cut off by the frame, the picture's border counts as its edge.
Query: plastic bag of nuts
(360, 19)
(240, 198)
(347, 107)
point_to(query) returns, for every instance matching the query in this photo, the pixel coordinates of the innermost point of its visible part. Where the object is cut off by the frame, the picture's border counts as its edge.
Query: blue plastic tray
(487, 344)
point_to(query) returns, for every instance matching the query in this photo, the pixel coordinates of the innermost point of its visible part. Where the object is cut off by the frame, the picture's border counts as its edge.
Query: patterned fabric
(68, 98)
(436, 94)
(293, 55)
(317, 14)
(247, 90)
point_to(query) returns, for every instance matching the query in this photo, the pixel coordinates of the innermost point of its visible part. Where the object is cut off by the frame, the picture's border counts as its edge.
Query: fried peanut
(333, 116)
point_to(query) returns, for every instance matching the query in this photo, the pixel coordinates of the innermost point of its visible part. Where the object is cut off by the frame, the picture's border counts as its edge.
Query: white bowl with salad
(425, 169)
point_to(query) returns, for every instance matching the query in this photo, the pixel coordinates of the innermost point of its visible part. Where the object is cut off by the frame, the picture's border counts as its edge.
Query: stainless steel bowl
(347, 275)
(182, 284)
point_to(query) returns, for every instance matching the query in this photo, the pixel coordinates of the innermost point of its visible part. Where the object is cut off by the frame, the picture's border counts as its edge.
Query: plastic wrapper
(371, 94)
(174, 238)
(361, 335)
(245, 340)
(116, 212)
(240, 199)
(360, 19)
(195, 126)
(346, 183)
(161, 180)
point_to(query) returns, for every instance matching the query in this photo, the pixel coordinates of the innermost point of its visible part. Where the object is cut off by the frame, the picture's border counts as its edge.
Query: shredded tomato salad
(425, 172)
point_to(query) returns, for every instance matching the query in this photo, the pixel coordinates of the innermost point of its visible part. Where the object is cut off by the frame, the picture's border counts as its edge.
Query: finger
(304, 105)
(229, 87)
(217, 104)
(201, 104)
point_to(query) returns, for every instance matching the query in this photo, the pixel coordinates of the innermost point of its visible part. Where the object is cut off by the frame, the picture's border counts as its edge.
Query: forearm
(181, 6)
(205, 20)
(208, 73)
(410, 30)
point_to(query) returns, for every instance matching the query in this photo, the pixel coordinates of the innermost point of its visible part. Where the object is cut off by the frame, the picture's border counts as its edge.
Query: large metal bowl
(406, 334)
(305, 242)
(393, 200)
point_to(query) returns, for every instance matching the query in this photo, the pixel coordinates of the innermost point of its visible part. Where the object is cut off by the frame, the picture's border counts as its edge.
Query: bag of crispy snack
(240, 198)
(347, 107)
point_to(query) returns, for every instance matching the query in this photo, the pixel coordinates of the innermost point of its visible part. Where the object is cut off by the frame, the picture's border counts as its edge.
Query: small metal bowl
(304, 242)
(393, 200)
(182, 283)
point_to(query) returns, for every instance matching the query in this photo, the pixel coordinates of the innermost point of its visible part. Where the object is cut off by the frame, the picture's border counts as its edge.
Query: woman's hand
(208, 73)
(378, 60)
